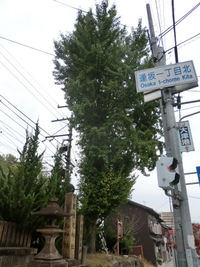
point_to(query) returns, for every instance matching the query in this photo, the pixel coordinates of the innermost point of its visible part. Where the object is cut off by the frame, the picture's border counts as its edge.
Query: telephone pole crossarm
(58, 135)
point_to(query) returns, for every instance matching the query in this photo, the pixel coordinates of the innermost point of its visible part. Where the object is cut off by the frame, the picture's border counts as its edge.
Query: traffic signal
(62, 174)
(166, 172)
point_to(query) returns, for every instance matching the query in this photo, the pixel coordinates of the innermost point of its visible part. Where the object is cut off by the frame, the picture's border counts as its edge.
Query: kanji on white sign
(165, 76)
(185, 137)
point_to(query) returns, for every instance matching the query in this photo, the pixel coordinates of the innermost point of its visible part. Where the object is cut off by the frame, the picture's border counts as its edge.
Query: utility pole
(68, 155)
(66, 148)
(186, 253)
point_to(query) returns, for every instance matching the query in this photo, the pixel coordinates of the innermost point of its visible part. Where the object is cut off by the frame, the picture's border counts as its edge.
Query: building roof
(149, 210)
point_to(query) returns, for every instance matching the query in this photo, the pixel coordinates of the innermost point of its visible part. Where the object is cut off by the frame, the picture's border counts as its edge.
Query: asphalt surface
(168, 264)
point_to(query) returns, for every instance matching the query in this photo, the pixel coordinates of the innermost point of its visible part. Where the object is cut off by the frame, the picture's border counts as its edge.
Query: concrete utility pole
(186, 253)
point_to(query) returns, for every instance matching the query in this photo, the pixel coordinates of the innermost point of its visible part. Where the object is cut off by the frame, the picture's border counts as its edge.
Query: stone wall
(16, 257)
(129, 262)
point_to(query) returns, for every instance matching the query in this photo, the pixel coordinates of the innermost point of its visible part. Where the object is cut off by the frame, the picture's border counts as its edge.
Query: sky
(28, 92)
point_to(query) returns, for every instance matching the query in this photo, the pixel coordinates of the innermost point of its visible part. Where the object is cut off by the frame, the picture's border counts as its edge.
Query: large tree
(118, 132)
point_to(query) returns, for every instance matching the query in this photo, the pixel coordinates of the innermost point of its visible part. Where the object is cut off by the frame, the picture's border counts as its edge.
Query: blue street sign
(198, 173)
(165, 76)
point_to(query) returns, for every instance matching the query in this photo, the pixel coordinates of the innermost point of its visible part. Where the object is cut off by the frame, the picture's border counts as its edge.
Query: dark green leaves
(96, 66)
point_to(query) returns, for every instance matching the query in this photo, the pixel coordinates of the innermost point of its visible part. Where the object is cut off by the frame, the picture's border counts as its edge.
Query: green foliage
(110, 235)
(127, 243)
(24, 188)
(59, 181)
(23, 191)
(108, 189)
(118, 132)
(8, 161)
(130, 227)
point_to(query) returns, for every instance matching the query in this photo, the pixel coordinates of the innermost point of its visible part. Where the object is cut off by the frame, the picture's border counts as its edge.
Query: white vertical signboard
(185, 137)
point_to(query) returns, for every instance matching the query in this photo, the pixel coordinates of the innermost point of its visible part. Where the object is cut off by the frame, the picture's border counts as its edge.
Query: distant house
(149, 230)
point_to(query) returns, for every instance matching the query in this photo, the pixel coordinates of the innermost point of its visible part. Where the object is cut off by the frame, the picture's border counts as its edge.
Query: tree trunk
(92, 238)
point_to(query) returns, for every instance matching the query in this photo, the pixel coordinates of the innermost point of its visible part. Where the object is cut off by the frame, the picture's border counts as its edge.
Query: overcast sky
(28, 92)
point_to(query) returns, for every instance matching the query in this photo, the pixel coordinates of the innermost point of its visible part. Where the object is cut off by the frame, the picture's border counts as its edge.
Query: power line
(79, 9)
(8, 126)
(31, 77)
(198, 34)
(26, 86)
(194, 197)
(10, 141)
(84, 64)
(159, 21)
(178, 21)
(23, 120)
(10, 134)
(76, 8)
(21, 113)
(8, 147)
(27, 46)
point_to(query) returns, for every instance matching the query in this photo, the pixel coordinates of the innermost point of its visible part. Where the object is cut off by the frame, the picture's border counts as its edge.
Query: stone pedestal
(43, 263)
(49, 256)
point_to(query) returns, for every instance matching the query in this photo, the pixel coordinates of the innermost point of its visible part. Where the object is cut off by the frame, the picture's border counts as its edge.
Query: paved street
(168, 264)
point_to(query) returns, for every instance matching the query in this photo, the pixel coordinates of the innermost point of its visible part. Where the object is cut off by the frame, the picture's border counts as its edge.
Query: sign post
(198, 173)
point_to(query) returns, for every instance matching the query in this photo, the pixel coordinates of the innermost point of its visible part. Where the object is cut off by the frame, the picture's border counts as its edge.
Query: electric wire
(23, 114)
(39, 148)
(8, 126)
(178, 21)
(76, 8)
(5, 131)
(159, 20)
(26, 86)
(8, 147)
(12, 119)
(32, 78)
(10, 140)
(194, 197)
(105, 71)
(27, 46)
(79, 9)
(162, 205)
(188, 108)
(60, 129)
(24, 142)
(198, 34)
(23, 121)
(21, 117)
(31, 120)
(34, 48)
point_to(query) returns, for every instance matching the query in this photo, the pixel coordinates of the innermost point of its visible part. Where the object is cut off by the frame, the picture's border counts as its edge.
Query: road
(168, 264)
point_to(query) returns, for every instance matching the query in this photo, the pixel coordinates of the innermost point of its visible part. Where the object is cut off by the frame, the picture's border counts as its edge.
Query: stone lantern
(49, 256)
